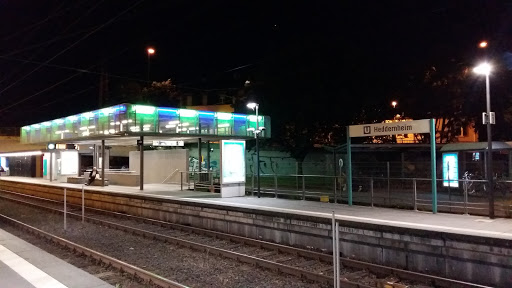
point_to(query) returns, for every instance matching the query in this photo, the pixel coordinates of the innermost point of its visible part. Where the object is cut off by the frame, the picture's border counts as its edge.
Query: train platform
(22, 265)
(499, 228)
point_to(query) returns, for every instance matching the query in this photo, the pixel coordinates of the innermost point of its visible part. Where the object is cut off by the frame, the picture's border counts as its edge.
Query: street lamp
(485, 69)
(150, 51)
(255, 106)
(482, 44)
(393, 103)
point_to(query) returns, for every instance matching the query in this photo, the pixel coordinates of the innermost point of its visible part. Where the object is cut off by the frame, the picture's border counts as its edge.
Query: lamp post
(151, 51)
(485, 69)
(255, 107)
(393, 103)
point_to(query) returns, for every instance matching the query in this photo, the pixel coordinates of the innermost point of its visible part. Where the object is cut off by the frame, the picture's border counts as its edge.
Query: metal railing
(404, 193)
(194, 180)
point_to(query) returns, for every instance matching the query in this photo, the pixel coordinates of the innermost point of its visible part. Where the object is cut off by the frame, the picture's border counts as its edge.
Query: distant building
(467, 133)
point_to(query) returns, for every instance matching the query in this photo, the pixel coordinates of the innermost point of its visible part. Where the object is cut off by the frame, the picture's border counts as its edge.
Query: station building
(137, 145)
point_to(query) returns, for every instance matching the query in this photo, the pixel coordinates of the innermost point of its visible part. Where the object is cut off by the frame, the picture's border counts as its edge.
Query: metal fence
(462, 196)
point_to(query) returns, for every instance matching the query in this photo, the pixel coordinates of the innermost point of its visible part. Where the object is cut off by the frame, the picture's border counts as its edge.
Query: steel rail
(122, 266)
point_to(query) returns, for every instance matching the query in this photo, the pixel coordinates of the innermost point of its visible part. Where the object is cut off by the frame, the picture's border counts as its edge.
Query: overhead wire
(67, 28)
(61, 98)
(37, 24)
(50, 87)
(72, 45)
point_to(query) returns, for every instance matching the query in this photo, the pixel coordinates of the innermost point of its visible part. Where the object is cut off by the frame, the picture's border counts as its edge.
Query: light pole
(255, 106)
(485, 69)
(393, 103)
(151, 51)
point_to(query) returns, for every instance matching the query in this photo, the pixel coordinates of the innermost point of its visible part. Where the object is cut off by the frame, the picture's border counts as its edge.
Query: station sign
(380, 129)
(168, 143)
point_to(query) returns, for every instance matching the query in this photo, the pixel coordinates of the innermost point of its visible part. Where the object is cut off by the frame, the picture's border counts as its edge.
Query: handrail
(170, 175)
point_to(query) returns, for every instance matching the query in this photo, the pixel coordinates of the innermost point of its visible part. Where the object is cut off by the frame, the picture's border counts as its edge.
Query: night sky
(332, 55)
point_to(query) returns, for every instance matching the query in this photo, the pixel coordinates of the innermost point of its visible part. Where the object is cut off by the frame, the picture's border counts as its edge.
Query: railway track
(305, 264)
(136, 272)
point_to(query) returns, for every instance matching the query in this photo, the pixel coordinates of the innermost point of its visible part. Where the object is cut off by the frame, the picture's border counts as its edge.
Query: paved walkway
(23, 265)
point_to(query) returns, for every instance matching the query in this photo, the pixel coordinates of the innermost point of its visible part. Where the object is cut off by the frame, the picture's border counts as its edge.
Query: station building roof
(128, 121)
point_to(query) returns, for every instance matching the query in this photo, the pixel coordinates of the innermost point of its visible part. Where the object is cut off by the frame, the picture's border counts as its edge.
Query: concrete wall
(159, 164)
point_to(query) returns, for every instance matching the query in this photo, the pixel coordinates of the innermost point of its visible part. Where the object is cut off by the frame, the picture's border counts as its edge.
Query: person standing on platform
(92, 176)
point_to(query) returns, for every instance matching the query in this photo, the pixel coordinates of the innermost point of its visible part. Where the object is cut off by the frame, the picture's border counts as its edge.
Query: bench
(76, 180)
(97, 182)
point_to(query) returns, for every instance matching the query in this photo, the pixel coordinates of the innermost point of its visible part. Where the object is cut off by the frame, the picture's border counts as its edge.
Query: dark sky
(326, 51)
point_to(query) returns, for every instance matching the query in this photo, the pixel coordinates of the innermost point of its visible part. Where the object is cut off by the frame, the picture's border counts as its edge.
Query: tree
(441, 94)
(162, 93)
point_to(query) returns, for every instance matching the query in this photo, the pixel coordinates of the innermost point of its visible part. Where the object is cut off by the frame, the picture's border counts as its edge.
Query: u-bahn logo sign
(402, 127)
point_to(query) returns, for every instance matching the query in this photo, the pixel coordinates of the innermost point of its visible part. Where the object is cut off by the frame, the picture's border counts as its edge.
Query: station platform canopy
(124, 122)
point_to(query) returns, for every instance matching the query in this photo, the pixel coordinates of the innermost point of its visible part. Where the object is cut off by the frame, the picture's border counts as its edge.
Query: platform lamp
(255, 106)
(485, 69)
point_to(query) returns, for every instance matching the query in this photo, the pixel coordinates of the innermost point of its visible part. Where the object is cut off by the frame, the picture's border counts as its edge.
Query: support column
(208, 155)
(199, 155)
(94, 156)
(141, 174)
(349, 168)
(51, 166)
(433, 164)
(102, 163)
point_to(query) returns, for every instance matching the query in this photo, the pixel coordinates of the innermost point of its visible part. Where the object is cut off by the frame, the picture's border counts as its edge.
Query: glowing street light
(393, 103)
(485, 69)
(150, 51)
(482, 44)
(255, 106)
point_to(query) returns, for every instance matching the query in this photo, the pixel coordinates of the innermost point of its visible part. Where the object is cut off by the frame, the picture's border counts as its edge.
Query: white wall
(158, 164)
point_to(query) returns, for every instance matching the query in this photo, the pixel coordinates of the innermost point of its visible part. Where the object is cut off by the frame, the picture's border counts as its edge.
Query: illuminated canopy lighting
(167, 111)
(107, 111)
(142, 109)
(72, 118)
(35, 126)
(252, 105)
(47, 124)
(224, 116)
(187, 113)
(58, 121)
(15, 154)
(482, 69)
(87, 115)
(223, 125)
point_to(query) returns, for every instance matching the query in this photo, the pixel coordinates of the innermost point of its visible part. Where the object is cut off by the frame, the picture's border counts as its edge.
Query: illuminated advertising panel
(69, 162)
(450, 170)
(233, 161)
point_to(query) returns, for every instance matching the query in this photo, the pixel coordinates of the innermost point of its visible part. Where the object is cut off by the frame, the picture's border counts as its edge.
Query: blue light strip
(167, 111)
